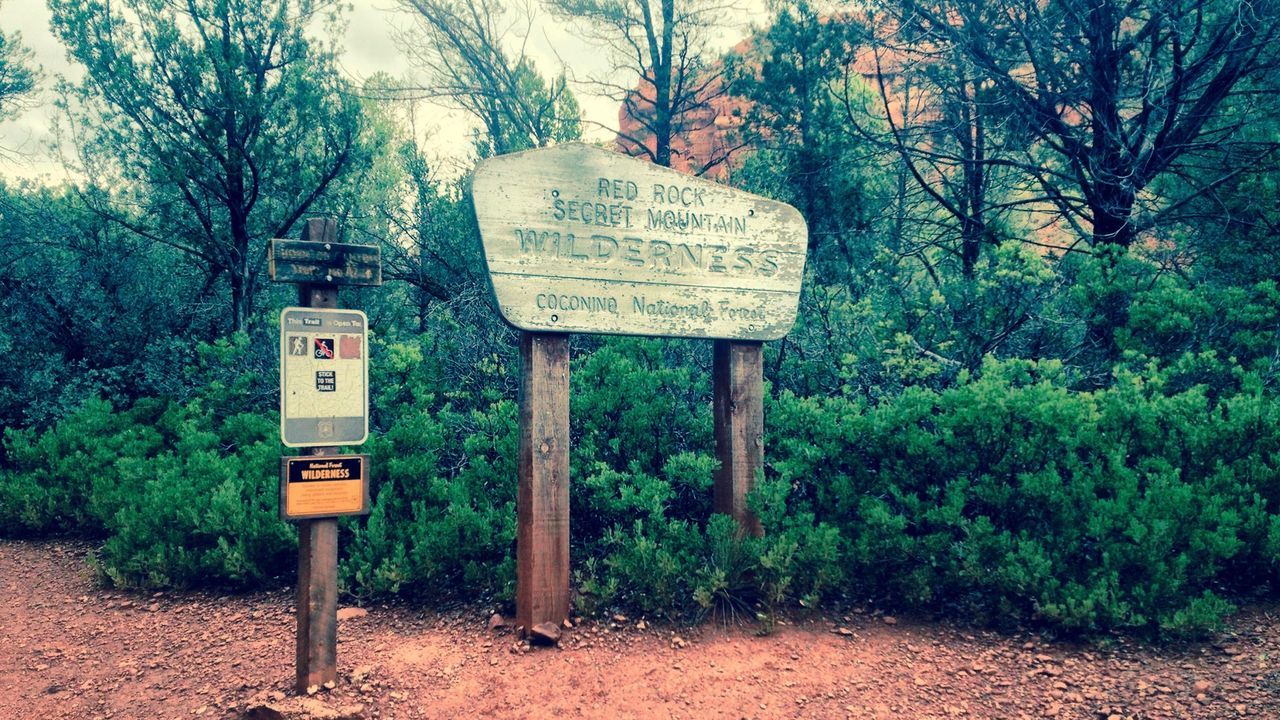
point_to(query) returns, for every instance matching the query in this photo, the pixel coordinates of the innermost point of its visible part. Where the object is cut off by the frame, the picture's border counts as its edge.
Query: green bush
(636, 402)
(444, 487)
(1173, 321)
(1008, 496)
(444, 518)
(198, 513)
(57, 478)
(1014, 498)
(180, 497)
(681, 569)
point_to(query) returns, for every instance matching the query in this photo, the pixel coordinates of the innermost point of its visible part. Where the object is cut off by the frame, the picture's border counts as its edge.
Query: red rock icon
(349, 347)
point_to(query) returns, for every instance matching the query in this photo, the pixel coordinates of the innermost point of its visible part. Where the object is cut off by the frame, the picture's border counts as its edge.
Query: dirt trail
(70, 650)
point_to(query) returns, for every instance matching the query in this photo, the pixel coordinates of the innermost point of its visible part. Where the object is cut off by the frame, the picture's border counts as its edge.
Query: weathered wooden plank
(632, 308)
(576, 220)
(618, 256)
(320, 259)
(542, 501)
(738, 409)
(302, 261)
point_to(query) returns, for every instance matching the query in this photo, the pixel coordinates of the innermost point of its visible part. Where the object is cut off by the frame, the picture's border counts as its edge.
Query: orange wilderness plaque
(324, 486)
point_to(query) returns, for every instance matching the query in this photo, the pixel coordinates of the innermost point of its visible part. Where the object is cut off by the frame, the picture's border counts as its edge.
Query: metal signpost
(581, 239)
(324, 403)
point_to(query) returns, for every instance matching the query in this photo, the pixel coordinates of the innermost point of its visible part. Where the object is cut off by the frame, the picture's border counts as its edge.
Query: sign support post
(324, 404)
(542, 499)
(738, 408)
(317, 600)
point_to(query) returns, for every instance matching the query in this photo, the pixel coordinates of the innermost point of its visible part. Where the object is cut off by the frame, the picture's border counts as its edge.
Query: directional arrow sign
(581, 239)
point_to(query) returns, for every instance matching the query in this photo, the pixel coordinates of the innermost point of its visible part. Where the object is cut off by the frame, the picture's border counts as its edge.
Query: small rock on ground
(350, 613)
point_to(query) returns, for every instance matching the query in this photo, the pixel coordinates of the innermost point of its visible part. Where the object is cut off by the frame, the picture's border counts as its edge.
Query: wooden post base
(738, 407)
(317, 603)
(542, 501)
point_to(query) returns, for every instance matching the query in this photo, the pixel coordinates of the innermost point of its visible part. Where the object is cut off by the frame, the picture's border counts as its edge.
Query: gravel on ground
(71, 649)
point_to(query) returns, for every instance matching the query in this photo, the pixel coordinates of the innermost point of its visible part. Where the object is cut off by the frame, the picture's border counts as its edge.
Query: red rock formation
(705, 137)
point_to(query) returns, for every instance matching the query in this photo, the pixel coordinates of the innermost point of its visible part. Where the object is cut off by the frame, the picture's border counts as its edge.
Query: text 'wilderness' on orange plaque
(324, 486)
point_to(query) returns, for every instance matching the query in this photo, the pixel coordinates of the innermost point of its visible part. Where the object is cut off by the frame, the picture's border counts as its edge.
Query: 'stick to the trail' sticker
(326, 381)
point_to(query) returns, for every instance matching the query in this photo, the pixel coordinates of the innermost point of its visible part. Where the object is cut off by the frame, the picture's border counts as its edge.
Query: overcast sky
(369, 48)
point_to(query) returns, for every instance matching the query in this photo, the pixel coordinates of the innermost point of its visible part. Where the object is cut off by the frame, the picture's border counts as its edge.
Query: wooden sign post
(737, 404)
(580, 239)
(316, 657)
(542, 495)
(320, 265)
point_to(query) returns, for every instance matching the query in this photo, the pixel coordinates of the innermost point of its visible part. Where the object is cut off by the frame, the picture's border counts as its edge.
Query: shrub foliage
(1007, 495)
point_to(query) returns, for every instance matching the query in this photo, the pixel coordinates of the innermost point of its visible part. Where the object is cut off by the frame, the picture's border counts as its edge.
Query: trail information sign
(581, 239)
(331, 263)
(324, 486)
(324, 377)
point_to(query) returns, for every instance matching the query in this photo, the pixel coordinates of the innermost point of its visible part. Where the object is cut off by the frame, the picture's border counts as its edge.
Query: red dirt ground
(71, 650)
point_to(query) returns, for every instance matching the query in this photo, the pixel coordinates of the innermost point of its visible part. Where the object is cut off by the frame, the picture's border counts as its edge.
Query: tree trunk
(662, 90)
(1113, 234)
(241, 272)
(239, 309)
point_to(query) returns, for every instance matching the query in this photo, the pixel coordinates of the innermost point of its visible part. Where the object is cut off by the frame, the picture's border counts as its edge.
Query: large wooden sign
(324, 377)
(324, 486)
(328, 263)
(580, 239)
